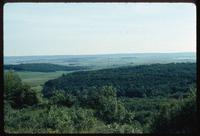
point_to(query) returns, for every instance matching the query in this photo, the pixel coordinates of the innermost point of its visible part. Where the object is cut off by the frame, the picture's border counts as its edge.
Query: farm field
(39, 78)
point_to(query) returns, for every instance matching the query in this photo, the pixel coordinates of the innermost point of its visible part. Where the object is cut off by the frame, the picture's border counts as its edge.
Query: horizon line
(100, 54)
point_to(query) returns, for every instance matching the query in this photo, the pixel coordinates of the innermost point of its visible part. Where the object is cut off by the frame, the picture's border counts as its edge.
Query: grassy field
(36, 79)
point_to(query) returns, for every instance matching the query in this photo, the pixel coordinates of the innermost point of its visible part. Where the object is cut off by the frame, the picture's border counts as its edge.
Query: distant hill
(42, 67)
(105, 60)
(171, 80)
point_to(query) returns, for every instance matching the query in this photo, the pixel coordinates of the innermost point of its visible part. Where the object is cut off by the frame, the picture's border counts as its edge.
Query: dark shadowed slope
(171, 80)
(42, 67)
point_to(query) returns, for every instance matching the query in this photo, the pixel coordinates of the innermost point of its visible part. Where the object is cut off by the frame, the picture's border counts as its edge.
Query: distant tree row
(42, 67)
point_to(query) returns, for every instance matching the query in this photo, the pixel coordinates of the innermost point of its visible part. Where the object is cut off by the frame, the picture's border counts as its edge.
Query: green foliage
(52, 120)
(146, 108)
(25, 96)
(171, 80)
(107, 107)
(93, 106)
(83, 119)
(42, 67)
(104, 101)
(179, 118)
(60, 98)
(120, 128)
(11, 82)
(17, 93)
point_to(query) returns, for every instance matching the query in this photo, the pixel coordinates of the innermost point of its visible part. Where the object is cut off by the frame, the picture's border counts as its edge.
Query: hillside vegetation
(42, 67)
(97, 108)
(171, 80)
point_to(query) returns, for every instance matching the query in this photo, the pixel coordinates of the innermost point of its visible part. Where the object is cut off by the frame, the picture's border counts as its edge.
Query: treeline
(95, 110)
(42, 67)
(172, 80)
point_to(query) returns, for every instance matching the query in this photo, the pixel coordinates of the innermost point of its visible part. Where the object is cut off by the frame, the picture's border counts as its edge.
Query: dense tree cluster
(177, 118)
(171, 80)
(42, 67)
(98, 109)
(19, 94)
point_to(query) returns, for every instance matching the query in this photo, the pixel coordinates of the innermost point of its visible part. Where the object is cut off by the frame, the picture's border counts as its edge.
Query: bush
(180, 118)
(18, 94)
(52, 120)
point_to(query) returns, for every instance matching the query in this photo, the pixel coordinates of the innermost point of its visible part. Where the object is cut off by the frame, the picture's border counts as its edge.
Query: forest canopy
(99, 109)
(171, 80)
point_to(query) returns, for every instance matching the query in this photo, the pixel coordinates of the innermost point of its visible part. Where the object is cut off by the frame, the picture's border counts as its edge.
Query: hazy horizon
(106, 54)
(34, 29)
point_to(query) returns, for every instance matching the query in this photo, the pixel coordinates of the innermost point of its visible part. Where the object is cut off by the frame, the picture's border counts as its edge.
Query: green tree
(17, 93)
(11, 82)
(179, 118)
(59, 97)
(109, 108)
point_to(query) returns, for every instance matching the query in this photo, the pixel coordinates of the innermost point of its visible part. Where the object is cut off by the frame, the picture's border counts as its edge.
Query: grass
(36, 79)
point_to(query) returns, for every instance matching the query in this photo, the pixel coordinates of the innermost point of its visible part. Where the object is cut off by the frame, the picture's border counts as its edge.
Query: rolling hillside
(171, 80)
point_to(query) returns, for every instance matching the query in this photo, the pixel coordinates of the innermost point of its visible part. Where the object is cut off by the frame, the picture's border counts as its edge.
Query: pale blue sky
(98, 28)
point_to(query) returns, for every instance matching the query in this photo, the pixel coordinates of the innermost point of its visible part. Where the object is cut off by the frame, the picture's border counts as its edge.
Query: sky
(98, 28)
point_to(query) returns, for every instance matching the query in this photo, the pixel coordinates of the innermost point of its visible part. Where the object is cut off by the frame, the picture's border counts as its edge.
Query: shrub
(17, 93)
